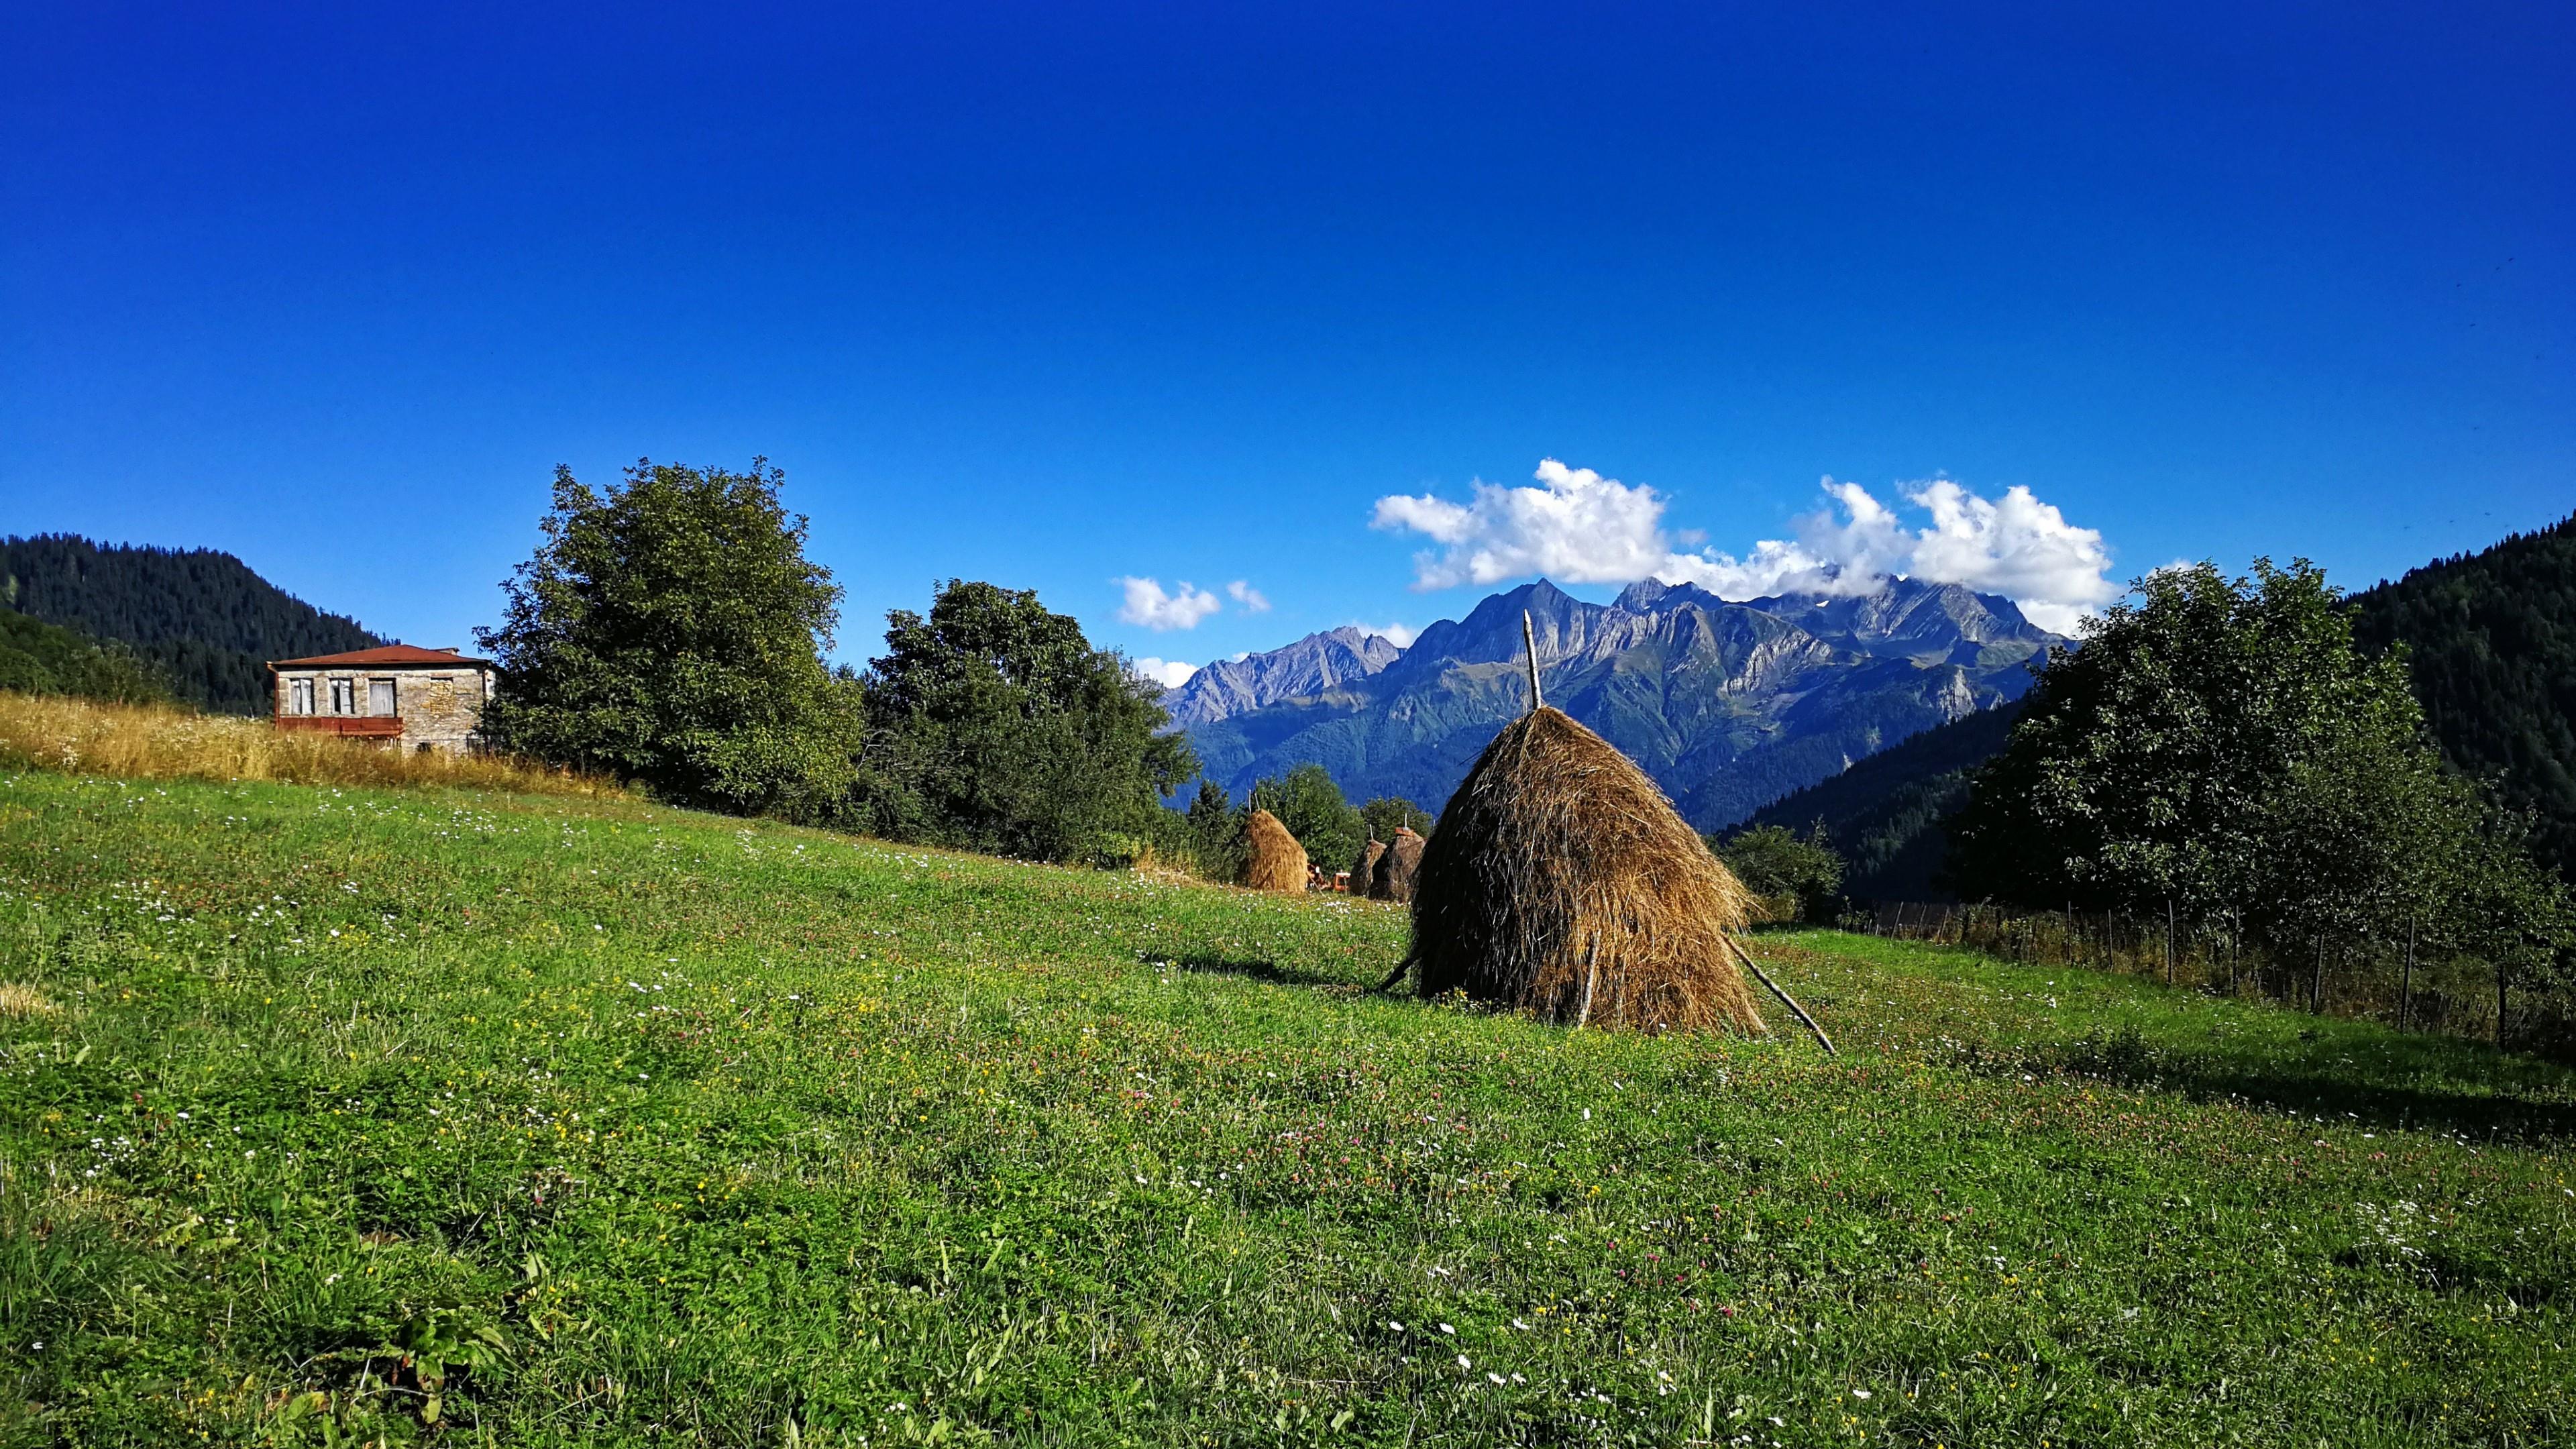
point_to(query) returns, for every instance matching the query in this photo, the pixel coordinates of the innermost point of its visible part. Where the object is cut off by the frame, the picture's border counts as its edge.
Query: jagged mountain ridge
(1310, 666)
(1728, 705)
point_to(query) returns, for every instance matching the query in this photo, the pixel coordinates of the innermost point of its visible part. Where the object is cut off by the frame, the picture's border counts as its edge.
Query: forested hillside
(1884, 813)
(2491, 640)
(41, 658)
(202, 618)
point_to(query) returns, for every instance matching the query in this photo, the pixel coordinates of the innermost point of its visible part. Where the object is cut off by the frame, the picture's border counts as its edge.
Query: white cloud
(1580, 527)
(1249, 597)
(1399, 635)
(1169, 673)
(1148, 605)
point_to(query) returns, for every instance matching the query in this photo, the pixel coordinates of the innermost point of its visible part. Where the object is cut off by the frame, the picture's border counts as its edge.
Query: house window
(380, 696)
(344, 696)
(299, 696)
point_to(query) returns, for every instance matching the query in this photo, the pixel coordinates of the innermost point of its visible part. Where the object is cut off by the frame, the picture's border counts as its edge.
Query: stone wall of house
(439, 708)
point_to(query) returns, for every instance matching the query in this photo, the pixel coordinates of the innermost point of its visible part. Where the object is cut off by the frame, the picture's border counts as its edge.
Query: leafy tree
(2515, 915)
(1308, 802)
(2221, 747)
(1383, 816)
(994, 725)
(669, 631)
(39, 658)
(1774, 861)
(1216, 832)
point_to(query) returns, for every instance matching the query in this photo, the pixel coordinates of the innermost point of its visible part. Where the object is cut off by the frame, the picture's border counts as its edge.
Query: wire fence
(2401, 981)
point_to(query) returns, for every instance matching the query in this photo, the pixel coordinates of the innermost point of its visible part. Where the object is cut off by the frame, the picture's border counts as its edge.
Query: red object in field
(356, 727)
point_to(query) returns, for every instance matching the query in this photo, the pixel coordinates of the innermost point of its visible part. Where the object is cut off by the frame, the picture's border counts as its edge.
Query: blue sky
(1061, 295)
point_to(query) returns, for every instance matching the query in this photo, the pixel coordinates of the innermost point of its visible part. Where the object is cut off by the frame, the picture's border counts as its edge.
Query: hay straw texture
(1561, 882)
(152, 742)
(1364, 869)
(1398, 868)
(1273, 860)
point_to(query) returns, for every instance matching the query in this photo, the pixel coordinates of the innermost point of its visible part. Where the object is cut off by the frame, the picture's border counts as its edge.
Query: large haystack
(1561, 882)
(1365, 868)
(1272, 860)
(1398, 869)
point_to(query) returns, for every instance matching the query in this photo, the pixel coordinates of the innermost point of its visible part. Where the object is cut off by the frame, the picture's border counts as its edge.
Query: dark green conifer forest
(2491, 649)
(201, 618)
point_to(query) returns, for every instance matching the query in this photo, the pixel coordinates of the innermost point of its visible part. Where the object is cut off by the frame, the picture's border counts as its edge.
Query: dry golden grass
(18, 1001)
(78, 737)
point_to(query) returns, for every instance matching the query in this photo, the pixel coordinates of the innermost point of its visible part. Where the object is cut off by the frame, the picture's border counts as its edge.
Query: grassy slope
(720, 1126)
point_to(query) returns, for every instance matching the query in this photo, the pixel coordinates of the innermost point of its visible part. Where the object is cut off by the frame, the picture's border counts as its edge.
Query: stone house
(422, 699)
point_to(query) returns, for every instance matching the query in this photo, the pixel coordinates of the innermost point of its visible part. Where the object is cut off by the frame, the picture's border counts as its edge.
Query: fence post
(2235, 947)
(2406, 982)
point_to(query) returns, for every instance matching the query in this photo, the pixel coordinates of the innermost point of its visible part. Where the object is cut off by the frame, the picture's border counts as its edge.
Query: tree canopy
(2221, 748)
(995, 725)
(41, 658)
(1386, 814)
(1312, 807)
(1775, 862)
(669, 631)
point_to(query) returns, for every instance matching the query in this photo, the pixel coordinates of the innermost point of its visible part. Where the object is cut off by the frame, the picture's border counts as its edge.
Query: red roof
(390, 656)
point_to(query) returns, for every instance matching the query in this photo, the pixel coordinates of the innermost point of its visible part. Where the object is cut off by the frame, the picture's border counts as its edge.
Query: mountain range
(1729, 705)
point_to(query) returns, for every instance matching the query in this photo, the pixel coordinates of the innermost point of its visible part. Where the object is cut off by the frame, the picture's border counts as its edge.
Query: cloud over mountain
(1169, 673)
(1581, 527)
(1148, 605)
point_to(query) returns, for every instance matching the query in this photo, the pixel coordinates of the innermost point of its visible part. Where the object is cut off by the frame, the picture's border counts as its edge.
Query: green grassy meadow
(431, 1116)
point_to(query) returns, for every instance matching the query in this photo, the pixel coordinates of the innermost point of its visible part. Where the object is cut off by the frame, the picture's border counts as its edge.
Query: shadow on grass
(1270, 971)
(2327, 1080)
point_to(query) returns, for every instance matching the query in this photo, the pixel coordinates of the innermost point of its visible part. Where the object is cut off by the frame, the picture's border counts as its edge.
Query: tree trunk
(2500, 980)
(2169, 934)
(2406, 982)
(2317, 986)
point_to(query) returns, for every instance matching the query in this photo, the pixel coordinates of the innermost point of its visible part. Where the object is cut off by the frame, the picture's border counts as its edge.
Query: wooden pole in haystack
(1529, 637)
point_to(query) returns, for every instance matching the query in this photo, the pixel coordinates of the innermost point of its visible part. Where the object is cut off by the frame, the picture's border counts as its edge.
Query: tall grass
(80, 737)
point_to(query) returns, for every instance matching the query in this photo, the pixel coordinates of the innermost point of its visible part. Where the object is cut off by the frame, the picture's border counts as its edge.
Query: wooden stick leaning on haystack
(1561, 882)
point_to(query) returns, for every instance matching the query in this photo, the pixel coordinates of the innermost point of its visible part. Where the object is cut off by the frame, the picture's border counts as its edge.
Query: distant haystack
(1364, 869)
(1273, 860)
(1561, 882)
(1397, 869)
